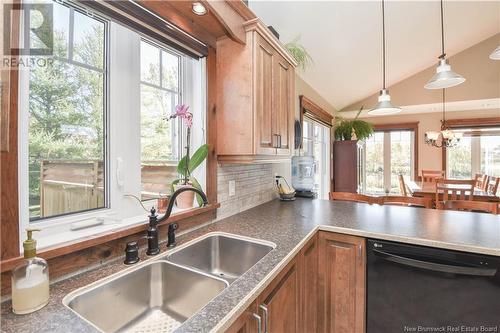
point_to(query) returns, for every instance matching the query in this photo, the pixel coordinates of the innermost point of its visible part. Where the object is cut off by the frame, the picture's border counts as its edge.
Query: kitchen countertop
(289, 225)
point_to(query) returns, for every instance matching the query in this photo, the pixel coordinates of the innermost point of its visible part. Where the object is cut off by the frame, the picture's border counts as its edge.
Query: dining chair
(432, 175)
(398, 200)
(454, 189)
(492, 185)
(403, 188)
(481, 181)
(467, 205)
(346, 196)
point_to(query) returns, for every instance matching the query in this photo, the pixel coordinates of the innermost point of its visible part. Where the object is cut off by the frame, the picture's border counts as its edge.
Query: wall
(254, 186)
(430, 157)
(482, 80)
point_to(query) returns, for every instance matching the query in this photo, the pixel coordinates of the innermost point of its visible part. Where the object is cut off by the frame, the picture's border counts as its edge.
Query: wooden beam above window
(314, 111)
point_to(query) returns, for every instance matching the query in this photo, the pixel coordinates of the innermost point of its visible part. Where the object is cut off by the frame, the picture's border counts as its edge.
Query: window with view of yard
(387, 154)
(477, 152)
(67, 167)
(160, 139)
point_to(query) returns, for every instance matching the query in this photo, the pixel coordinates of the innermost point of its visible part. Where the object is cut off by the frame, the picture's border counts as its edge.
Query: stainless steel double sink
(160, 294)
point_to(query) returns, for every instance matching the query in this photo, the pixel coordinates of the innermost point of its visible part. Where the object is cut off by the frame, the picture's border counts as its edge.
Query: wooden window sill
(81, 244)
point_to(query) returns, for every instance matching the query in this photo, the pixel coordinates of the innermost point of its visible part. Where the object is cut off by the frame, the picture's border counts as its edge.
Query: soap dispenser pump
(30, 280)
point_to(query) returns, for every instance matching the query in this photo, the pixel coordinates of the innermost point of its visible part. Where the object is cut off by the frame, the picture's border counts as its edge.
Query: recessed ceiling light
(199, 9)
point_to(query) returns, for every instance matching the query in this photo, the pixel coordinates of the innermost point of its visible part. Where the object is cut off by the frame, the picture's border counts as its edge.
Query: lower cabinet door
(341, 283)
(248, 322)
(279, 303)
(308, 268)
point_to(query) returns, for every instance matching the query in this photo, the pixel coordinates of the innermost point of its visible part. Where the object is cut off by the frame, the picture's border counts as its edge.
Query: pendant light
(444, 138)
(444, 77)
(384, 105)
(495, 55)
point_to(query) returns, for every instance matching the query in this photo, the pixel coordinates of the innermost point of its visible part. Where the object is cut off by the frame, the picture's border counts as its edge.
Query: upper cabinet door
(284, 106)
(266, 138)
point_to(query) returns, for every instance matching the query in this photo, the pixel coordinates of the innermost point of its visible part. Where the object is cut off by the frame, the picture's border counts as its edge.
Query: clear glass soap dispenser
(30, 280)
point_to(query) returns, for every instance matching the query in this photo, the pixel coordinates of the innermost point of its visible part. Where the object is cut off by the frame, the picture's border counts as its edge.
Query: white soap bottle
(30, 280)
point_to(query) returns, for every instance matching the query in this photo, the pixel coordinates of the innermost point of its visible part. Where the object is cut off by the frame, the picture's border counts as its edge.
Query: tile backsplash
(253, 185)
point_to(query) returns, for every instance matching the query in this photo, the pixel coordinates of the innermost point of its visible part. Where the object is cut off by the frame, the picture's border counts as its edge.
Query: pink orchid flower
(182, 112)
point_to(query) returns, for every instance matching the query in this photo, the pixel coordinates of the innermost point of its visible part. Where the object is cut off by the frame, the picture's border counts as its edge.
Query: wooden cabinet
(247, 322)
(255, 99)
(341, 283)
(308, 264)
(321, 290)
(345, 166)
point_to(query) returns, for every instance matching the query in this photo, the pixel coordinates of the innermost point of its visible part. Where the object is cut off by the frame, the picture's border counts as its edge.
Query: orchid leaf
(198, 157)
(197, 185)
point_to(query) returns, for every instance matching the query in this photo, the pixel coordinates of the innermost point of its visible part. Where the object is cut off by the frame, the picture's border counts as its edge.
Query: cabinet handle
(264, 311)
(360, 254)
(275, 140)
(259, 322)
(279, 140)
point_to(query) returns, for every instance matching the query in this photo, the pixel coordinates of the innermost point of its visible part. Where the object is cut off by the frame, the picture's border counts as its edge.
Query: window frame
(387, 129)
(23, 131)
(466, 123)
(62, 224)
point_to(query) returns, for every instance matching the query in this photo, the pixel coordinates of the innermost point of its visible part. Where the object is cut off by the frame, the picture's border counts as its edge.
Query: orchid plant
(188, 163)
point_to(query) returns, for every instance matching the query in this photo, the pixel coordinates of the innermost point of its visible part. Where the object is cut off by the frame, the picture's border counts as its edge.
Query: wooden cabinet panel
(283, 97)
(255, 98)
(265, 117)
(246, 323)
(309, 286)
(341, 283)
(345, 165)
(281, 299)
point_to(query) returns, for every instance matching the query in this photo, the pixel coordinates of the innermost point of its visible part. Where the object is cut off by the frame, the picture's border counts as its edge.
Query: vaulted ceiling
(344, 39)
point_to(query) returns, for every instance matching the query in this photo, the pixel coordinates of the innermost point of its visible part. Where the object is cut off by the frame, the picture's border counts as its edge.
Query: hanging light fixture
(495, 55)
(444, 77)
(444, 138)
(384, 105)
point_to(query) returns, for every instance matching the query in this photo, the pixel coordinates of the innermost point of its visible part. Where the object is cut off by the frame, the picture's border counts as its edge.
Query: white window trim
(387, 160)
(123, 156)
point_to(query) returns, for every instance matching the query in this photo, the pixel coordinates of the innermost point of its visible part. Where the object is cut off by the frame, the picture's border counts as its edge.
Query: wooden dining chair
(403, 188)
(432, 175)
(454, 189)
(492, 185)
(398, 200)
(481, 181)
(467, 205)
(346, 196)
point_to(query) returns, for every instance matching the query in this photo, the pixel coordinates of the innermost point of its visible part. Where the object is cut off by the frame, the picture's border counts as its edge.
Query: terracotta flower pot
(185, 199)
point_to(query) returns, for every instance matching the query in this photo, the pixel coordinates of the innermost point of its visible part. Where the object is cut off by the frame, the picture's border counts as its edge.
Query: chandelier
(444, 138)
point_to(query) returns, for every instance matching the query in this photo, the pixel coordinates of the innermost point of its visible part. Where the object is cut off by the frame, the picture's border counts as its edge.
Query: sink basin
(222, 255)
(155, 297)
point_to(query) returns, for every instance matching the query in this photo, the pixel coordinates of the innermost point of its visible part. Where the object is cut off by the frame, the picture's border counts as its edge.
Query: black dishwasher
(421, 289)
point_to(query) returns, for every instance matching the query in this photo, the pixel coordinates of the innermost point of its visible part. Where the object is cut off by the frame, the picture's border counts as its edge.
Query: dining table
(428, 189)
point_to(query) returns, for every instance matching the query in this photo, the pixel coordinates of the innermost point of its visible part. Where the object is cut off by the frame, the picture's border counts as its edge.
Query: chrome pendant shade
(495, 55)
(444, 77)
(384, 105)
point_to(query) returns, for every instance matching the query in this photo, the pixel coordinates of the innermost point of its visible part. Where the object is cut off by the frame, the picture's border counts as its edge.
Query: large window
(67, 166)
(477, 152)
(316, 143)
(385, 156)
(93, 129)
(160, 139)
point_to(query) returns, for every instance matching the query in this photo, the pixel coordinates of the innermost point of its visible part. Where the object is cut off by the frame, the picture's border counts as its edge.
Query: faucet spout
(174, 196)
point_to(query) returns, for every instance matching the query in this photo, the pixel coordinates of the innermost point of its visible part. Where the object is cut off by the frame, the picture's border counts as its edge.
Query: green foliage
(346, 127)
(299, 53)
(198, 157)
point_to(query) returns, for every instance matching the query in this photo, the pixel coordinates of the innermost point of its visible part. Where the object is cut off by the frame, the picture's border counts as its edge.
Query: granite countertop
(289, 225)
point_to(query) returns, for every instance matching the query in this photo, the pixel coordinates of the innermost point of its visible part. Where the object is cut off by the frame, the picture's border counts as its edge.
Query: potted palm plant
(188, 163)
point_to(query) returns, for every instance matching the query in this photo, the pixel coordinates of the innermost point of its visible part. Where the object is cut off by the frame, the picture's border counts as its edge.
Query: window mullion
(71, 33)
(387, 162)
